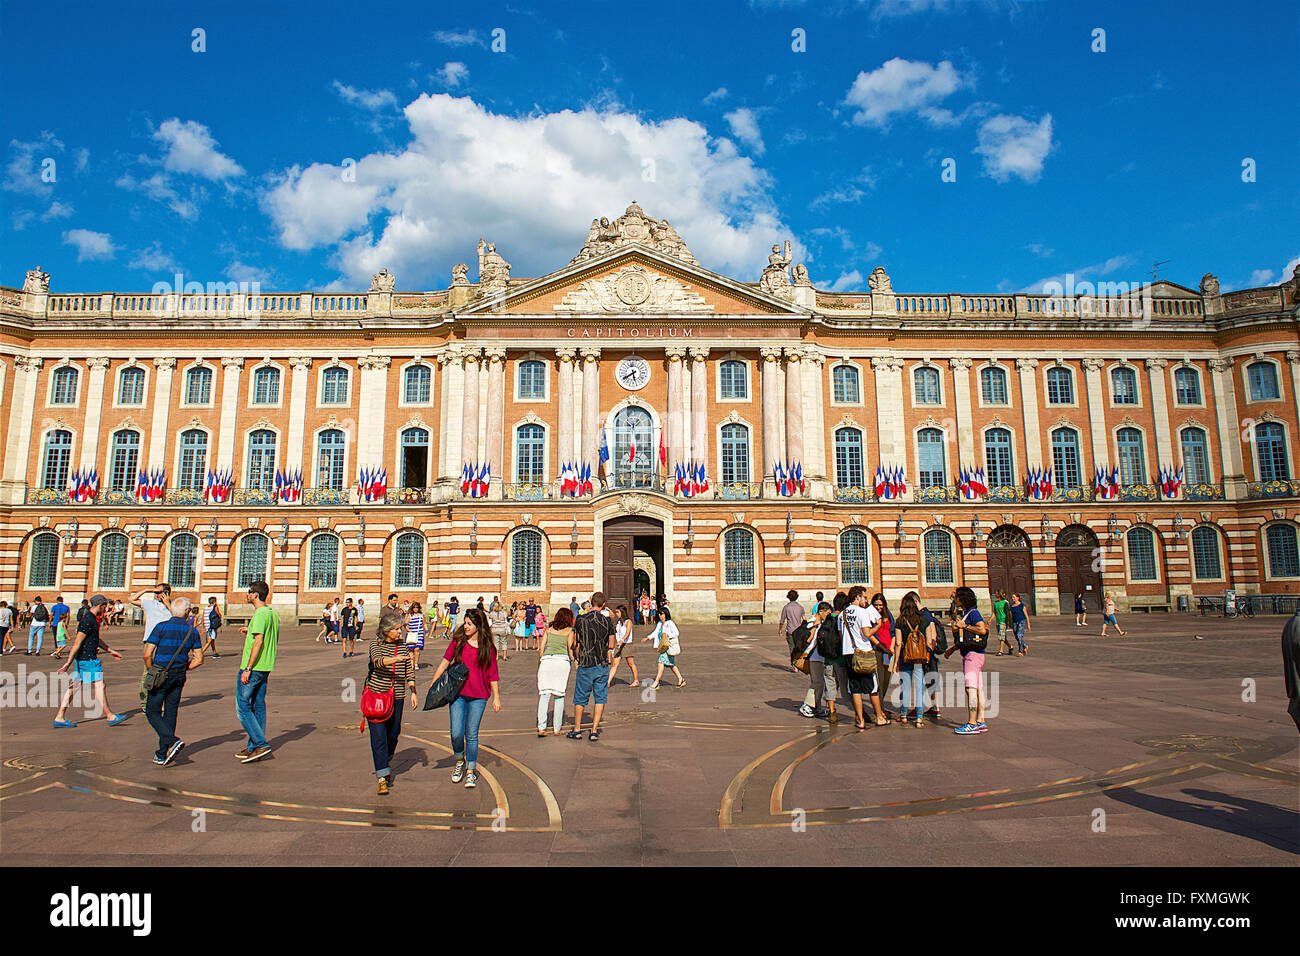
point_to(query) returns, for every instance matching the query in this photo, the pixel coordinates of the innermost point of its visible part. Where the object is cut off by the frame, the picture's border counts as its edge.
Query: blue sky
(307, 147)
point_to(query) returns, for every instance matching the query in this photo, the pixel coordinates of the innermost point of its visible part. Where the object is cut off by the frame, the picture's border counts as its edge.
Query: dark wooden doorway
(1011, 566)
(1077, 568)
(623, 537)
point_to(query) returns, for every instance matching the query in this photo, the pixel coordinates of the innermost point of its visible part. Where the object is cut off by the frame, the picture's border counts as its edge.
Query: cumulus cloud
(158, 186)
(154, 259)
(1015, 146)
(1088, 273)
(848, 282)
(57, 210)
(191, 149)
(744, 126)
(530, 183)
(366, 99)
(23, 172)
(904, 86)
(90, 246)
(452, 74)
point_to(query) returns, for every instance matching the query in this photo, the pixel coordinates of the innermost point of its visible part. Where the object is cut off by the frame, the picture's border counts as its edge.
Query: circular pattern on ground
(74, 760)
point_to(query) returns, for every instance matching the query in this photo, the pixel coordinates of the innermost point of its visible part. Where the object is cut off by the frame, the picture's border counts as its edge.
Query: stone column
(815, 436)
(590, 404)
(229, 408)
(1097, 412)
(564, 402)
(1225, 407)
(794, 423)
(1160, 412)
(962, 411)
(771, 441)
(700, 407)
(94, 410)
(19, 438)
(675, 355)
(1293, 359)
(293, 458)
(496, 413)
(1029, 392)
(469, 450)
(453, 395)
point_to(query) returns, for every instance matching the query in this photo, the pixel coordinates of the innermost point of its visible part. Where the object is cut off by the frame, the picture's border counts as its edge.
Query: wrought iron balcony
(325, 496)
(1203, 491)
(935, 493)
(410, 495)
(49, 496)
(854, 493)
(185, 497)
(1277, 488)
(740, 490)
(1074, 494)
(253, 496)
(1139, 492)
(527, 491)
(1005, 493)
(117, 498)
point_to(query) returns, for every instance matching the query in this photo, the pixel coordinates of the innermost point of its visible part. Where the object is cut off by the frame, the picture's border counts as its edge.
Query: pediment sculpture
(633, 289)
(493, 270)
(633, 226)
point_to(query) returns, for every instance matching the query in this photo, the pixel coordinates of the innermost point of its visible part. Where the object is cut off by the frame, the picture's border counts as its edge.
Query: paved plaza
(1130, 751)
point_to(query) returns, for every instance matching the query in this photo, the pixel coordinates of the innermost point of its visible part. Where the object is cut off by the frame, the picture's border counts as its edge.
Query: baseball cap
(97, 600)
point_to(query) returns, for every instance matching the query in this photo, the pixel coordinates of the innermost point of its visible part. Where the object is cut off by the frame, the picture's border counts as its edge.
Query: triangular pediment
(633, 280)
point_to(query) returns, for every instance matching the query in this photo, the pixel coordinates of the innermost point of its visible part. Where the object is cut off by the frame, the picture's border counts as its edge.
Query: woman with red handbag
(385, 694)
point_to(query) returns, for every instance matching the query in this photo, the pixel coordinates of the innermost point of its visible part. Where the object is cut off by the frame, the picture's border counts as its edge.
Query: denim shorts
(88, 672)
(591, 680)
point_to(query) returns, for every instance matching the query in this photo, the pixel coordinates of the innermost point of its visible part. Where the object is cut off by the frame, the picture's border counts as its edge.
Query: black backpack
(40, 614)
(940, 632)
(799, 637)
(829, 643)
(215, 619)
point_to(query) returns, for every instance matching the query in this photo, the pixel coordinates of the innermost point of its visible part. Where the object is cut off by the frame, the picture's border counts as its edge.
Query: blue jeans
(37, 634)
(466, 714)
(911, 678)
(1020, 633)
(383, 738)
(161, 709)
(250, 707)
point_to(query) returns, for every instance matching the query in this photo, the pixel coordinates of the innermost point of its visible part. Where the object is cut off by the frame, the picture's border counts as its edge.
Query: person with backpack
(859, 624)
(972, 638)
(916, 639)
(40, 618)
(59, 616)
(821, 674)
(933, 680)
(471, 644)
(213, 624)
(389, 673)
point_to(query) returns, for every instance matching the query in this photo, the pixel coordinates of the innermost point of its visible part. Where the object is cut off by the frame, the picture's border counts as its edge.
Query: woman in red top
(471, 644)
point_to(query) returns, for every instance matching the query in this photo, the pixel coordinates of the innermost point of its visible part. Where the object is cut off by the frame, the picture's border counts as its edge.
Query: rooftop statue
(493, 271)
(633, 226)
(879, 281)
(776, 278)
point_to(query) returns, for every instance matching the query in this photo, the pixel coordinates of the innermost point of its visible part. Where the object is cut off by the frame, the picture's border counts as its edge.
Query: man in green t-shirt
(1002, 614)
(261, 637)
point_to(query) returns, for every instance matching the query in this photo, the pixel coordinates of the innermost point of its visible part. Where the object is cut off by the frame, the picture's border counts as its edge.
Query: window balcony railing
(526, 491)
(936, 493)
(999, 494)
(185, 497)
(117, 498)
(1139, 492)
(409, 495)
(252, 496)
(49, 496)
(1277, 488)
(325, 496)
(640, 481)
(740, 490)
(1203, 491)
(855, 493)
(1074, 494)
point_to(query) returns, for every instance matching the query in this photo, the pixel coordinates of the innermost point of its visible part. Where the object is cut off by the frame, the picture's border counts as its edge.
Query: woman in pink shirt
(471, 643)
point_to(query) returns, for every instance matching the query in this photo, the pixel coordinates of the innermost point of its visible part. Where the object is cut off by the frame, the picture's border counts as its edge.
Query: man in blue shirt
(59, 621)
(175, 646)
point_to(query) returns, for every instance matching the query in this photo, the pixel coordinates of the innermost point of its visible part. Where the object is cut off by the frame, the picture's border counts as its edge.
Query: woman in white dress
(623, 645)
(666, 636)
(554, 660)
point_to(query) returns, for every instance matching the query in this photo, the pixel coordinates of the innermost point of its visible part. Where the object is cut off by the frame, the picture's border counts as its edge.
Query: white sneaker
(458, 774)
(806, 711)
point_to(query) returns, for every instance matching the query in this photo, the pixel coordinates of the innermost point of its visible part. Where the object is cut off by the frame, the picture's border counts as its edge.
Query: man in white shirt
(155, 602)
(858, 626)
(335, 610)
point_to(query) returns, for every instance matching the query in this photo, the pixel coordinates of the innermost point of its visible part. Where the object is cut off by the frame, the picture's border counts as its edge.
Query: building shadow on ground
(1261, 822)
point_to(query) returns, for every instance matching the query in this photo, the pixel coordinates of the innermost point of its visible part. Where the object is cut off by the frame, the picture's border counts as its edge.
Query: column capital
(567, 354)
(792, 355)
(698, 353)
(1155, 363)
(960, 362)
(675, 353)
(232, 361)
(302, 362)
(101, 362)
(1093, 364)
(29, 362)
(770, 353)
(495, 355)
(471, 357)
(813, 356)
(889, 363)
(1221, 364)
(1024, 363)
(590, 354)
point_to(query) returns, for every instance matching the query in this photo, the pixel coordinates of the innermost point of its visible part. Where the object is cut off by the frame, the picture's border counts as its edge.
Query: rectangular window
(252, 560)
(45, 562)
(1141, 555)
(1205, 550)
(938, 558)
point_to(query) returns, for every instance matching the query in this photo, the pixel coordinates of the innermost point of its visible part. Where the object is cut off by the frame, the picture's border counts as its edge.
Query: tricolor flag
(879, 483)
(977, 483)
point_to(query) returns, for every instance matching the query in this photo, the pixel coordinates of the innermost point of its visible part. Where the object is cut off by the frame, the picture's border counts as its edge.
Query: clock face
(633, 373)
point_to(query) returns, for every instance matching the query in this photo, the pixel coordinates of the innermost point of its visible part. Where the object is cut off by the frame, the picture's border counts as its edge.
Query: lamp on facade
(473, 532)
(1046, 525)
(70, 535)
(789, 528)
(141, 536)
(1112, 528)
(690, 532)
(283, 539)
(361, 534)
(573, 534)
(212, 535)
(975, 529)
(1180, 532)
(898, 529)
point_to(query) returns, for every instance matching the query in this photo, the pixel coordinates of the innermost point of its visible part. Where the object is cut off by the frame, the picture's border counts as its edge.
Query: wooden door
(1075, 575)
(1011, 570)
(618, 570)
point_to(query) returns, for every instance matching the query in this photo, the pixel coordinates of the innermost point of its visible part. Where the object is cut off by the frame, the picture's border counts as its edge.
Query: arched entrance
(1011, 566)
(625, 540)
(1078, 568)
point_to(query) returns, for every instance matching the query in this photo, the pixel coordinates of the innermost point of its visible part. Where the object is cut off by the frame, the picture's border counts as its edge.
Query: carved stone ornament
(460, 274)
(1209, 285)
(739, 516)
(801, 275)
(252, 522)
(1008, 519)
(45, 521)
(182, 522)
(775, 279)
(855, 519)
(734, 416)
(36, 282)
(322, 522)
(633, 289)
(1206, 516)
(1279, 513)
(1140, 516)
(879, 281)
(526, 518)
(408, 521)
(938, 519)
(382, 281)
(633, 226)
(112, 522)
(632, 504)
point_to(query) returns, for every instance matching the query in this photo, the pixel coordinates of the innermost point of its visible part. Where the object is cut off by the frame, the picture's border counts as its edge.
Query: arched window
(415, 457)
(261, 460)
(1141, 554)
(1060, 386)
(930, 468)
(634, 451)
(410, 561)
(734, 380)
(526, 559)
(266, 386)
(926, 380)
(1262, 377)
(1132, 462)
(182, 561)
(58, 455)
(844, 384)
(417, 385)
(997, 458)
(65, 386)
(1205, 553)
(1065, 458)
(253, 549)
(123, 460)
(855, 555)
(530, 455)
(1196, 456)
(735, 453)
(113, 549)
(738, 558)
(194, 460)
(330, 449)
(334, 386)
(993, 384)
(937, 547)
(1270, 447)
(323, 562)
(44, 570)
(848, 458)
(1187, 386)
(1124, 386)
(532, 380)
(198, 385)
(130, 386)
(1283, 555)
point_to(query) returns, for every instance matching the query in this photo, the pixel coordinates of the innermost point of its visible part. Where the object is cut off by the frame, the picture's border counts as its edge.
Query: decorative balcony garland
(474, 479)
(1106, 482)
(1038, 484)
(288, 486)
(219, 486)
(575, 479)
(373, 484)
(691, 479)
(1171, 481)
(83, 486)
(890, 482)
(970, 482)
(151, 485)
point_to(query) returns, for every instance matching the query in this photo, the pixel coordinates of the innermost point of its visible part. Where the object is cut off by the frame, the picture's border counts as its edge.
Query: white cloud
(461, 38)
(850, 190)
(238, 271)
(719, 94)
(154, 259)
(1260, 277)
(452, 74)
(23, 173)
(904, 86)
(1015, 146)
(158, 186)
(57, 210)
(1040, 250)
(90, 245)
(1105, 268)
(848, 282)
(366, 99)
(530, 183)
(191, 149)
(83, 159)
(744, 126)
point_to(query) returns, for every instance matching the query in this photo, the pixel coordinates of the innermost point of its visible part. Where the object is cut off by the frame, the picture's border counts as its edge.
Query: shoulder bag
(377, 706)
(155, 678)
(447, 687)
(967, 641)
(915, 650)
